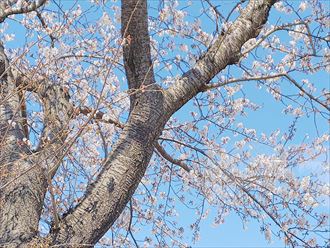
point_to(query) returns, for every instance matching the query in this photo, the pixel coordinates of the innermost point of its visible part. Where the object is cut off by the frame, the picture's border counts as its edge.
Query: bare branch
(168, 157)
(236, 80)
(286, 75)
(306, 93)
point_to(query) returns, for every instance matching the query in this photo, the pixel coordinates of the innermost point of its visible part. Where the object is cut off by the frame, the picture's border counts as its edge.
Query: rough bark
(24, 175)
(136, 48)
(121, 174)
(105, 200)
(21, 194)
(151, 107)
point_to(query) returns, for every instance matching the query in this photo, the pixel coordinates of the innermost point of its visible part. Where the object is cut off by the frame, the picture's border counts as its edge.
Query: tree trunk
(24, 176)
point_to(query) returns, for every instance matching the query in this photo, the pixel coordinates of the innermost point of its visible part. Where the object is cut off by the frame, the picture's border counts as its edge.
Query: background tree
(76, 142)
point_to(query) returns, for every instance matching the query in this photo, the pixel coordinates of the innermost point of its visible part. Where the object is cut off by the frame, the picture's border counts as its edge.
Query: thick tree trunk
(120, 176)
(22, 184)
(22, 197)
(126, 165)
(21, 202)
(24, 174)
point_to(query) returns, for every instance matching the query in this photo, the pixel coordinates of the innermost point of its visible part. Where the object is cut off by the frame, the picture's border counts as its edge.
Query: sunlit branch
(5, 12)
(168, 157)
(225, 51)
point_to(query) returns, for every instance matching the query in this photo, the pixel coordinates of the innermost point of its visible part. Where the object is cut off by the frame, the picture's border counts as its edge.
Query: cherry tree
(114, 116)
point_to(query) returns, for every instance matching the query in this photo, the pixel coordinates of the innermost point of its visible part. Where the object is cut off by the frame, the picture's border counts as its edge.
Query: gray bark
(21, 200)
(24, 175)
(105, 199)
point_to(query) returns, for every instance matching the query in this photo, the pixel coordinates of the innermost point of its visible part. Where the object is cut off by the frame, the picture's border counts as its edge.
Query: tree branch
(123, 170)
(6, 11)
(306, 93)
(168, 157)
(265, 77)
(21, 199)
(226, 50)
(136, 47)
(100, 116)
(236, 80)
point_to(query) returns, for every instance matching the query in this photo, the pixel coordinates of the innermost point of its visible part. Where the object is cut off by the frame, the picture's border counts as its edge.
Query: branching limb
(123, 170)
(24, 175)
(11, 119)
(100, 117)
(226, 50)
(58, 110)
